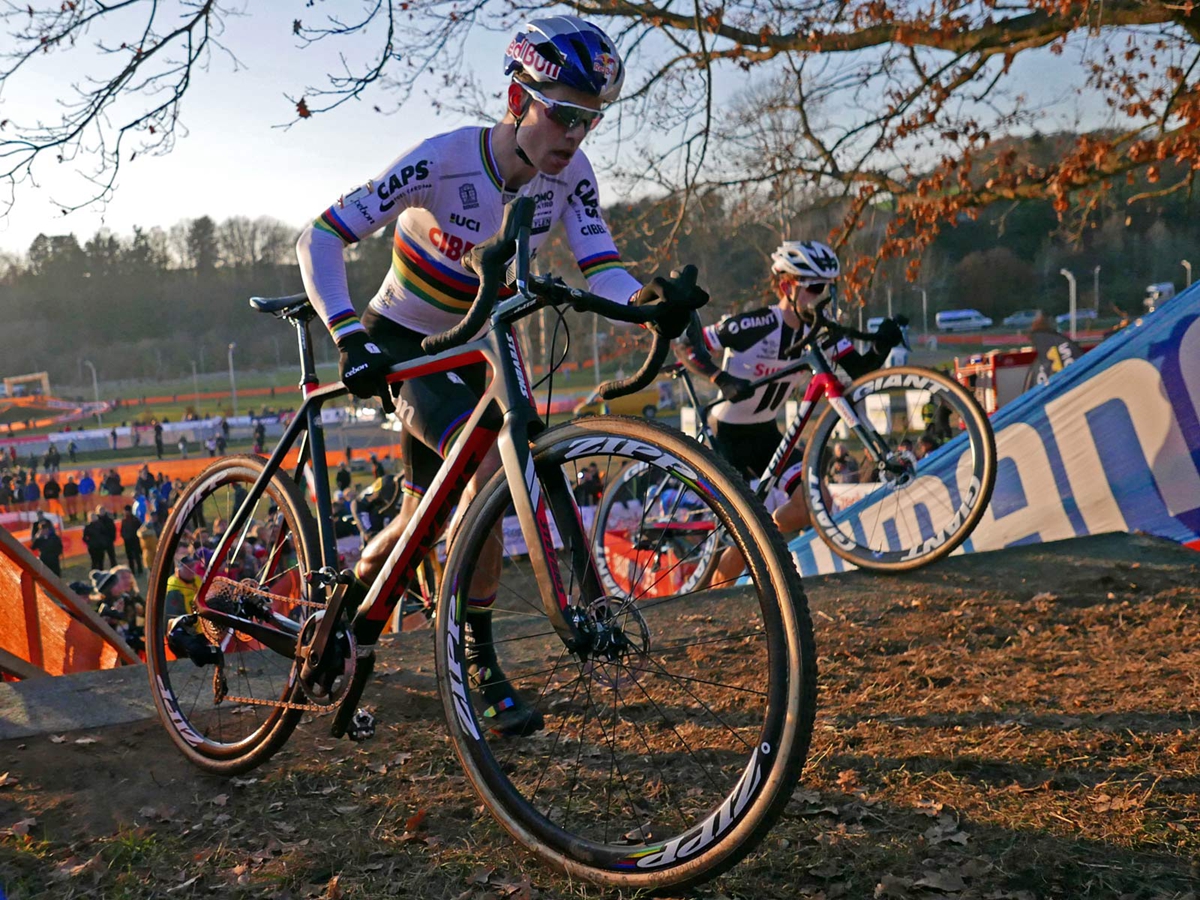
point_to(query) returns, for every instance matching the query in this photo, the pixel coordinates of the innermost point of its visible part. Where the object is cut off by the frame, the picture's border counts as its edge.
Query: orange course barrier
(45, 629)
(658, 571)
(186, 469)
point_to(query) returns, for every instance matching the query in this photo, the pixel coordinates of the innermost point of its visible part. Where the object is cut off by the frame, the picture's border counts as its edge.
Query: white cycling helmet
(806, 260)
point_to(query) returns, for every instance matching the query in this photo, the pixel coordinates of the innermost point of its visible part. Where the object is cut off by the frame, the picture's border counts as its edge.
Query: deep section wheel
(661, 752)
(886, 511)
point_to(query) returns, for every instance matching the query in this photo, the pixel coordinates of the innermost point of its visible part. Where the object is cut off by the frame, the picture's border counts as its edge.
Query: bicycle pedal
(361, 727)
(344, 719)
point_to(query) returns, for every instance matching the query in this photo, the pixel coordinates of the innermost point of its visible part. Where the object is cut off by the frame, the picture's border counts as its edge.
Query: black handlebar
(489, 260)
(823, 322)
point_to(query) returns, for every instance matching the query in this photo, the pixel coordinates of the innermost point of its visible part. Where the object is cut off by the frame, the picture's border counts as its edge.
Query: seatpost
(308, 365)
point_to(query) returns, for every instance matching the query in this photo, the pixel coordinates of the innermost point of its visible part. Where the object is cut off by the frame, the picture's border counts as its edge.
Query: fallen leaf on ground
(945, 880)
(75, 867)
(23, 825)
(87, 740)
(892, 886)
(415, 821)
(57, 739)
(7, 779)
(220, 800)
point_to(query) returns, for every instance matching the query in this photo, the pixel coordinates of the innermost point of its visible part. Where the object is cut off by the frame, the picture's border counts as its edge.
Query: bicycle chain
(284, 704)
(240, 589)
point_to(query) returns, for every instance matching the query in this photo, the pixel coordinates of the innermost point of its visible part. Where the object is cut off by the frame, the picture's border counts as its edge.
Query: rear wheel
(643, 506)
(666, 748)
(908, 508)
(228, 711)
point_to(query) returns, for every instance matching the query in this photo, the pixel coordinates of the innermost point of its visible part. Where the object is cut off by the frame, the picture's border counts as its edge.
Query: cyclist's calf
(376, 552)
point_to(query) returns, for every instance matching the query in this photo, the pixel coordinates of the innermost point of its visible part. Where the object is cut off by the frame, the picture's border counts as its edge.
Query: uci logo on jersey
(400, 180)
(469, 224)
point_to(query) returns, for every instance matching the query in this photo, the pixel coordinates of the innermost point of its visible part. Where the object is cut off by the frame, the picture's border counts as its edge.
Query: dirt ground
(1007, 726)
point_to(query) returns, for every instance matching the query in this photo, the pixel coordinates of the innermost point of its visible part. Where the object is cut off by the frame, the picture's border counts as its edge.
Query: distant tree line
(149, 304)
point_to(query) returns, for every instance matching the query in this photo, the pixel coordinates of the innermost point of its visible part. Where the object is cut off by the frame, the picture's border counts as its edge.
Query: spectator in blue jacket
(86, 484)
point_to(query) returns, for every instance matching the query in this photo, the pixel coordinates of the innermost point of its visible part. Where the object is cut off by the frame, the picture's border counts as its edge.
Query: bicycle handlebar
(488, 259)
(557, 292)
(835, 328)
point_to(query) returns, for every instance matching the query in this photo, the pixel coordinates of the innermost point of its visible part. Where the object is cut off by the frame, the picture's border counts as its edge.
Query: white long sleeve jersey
(445, 195)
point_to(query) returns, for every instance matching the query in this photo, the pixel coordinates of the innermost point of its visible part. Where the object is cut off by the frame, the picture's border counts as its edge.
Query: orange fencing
(186, 469)
(44, 628)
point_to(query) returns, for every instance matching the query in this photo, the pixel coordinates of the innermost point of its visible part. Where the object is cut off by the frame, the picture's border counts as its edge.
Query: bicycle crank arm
(274, 639)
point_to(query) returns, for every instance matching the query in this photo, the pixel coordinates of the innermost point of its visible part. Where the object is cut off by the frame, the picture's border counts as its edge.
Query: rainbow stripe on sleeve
(344, 323)
(331, 222)
(600, 262)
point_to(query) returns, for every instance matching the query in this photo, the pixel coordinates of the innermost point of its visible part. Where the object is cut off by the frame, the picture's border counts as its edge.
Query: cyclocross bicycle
(870, 496)
(674, 731)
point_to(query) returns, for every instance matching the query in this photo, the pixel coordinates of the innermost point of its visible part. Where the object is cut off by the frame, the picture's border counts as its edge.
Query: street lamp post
(195, 387)
(596, 348)
(1096, 290)
(232, 379)
(924, 310)
(95, 390)
(1070, 276)
(1188, 267)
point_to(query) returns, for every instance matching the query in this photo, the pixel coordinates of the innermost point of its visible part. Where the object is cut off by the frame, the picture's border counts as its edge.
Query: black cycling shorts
(749, 447)
(433, 408)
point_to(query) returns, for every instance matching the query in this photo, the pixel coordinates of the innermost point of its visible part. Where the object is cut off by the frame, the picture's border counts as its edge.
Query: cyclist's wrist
(343, 324)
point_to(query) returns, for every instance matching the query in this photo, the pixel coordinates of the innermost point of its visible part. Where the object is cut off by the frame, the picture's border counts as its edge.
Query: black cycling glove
(363, 366)
(731, 387)
(680, 293)
(887, 336)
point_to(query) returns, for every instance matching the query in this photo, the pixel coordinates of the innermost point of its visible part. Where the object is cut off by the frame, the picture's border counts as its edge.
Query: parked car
(1082, 316)
(645, 403)
(962, 320)
(1022, 318)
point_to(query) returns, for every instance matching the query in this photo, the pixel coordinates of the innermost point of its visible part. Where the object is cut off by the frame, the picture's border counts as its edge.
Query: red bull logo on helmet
(605, 64)
(527, 55)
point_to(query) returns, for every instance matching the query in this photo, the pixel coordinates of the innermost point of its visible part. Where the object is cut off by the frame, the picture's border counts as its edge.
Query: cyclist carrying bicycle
(445, 194)
(755, 345)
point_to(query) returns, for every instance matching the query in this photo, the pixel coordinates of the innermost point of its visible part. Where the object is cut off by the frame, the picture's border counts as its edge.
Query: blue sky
(234, 161)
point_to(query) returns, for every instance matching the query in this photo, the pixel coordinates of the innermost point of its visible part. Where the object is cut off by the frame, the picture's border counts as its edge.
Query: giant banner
(1110, 443)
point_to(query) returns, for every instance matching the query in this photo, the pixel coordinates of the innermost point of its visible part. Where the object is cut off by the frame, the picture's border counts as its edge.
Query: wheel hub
(620, 642)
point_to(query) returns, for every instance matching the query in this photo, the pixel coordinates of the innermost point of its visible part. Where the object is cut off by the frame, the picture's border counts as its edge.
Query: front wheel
(660, 753)
(910, 483)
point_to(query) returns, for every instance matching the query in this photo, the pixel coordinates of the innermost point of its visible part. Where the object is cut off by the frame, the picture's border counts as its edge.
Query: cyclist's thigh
(748, 447)
(434, 408)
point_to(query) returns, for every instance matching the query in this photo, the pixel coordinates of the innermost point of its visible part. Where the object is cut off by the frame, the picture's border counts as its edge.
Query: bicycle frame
(823, 385)
(509, 392)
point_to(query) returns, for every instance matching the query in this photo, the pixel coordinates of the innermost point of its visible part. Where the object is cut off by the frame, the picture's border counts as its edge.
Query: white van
(962, 320)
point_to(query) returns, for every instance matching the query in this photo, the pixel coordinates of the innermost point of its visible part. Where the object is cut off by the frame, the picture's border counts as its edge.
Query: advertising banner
(1109, 443)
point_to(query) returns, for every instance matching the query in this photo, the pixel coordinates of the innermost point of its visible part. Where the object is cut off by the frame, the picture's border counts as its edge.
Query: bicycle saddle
(294, 306)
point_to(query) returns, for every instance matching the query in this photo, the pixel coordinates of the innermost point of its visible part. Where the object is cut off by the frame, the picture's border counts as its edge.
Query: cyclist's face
(549, 145)
(798, 293)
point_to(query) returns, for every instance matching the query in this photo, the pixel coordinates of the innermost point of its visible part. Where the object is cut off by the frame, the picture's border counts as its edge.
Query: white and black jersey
(754, 343)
